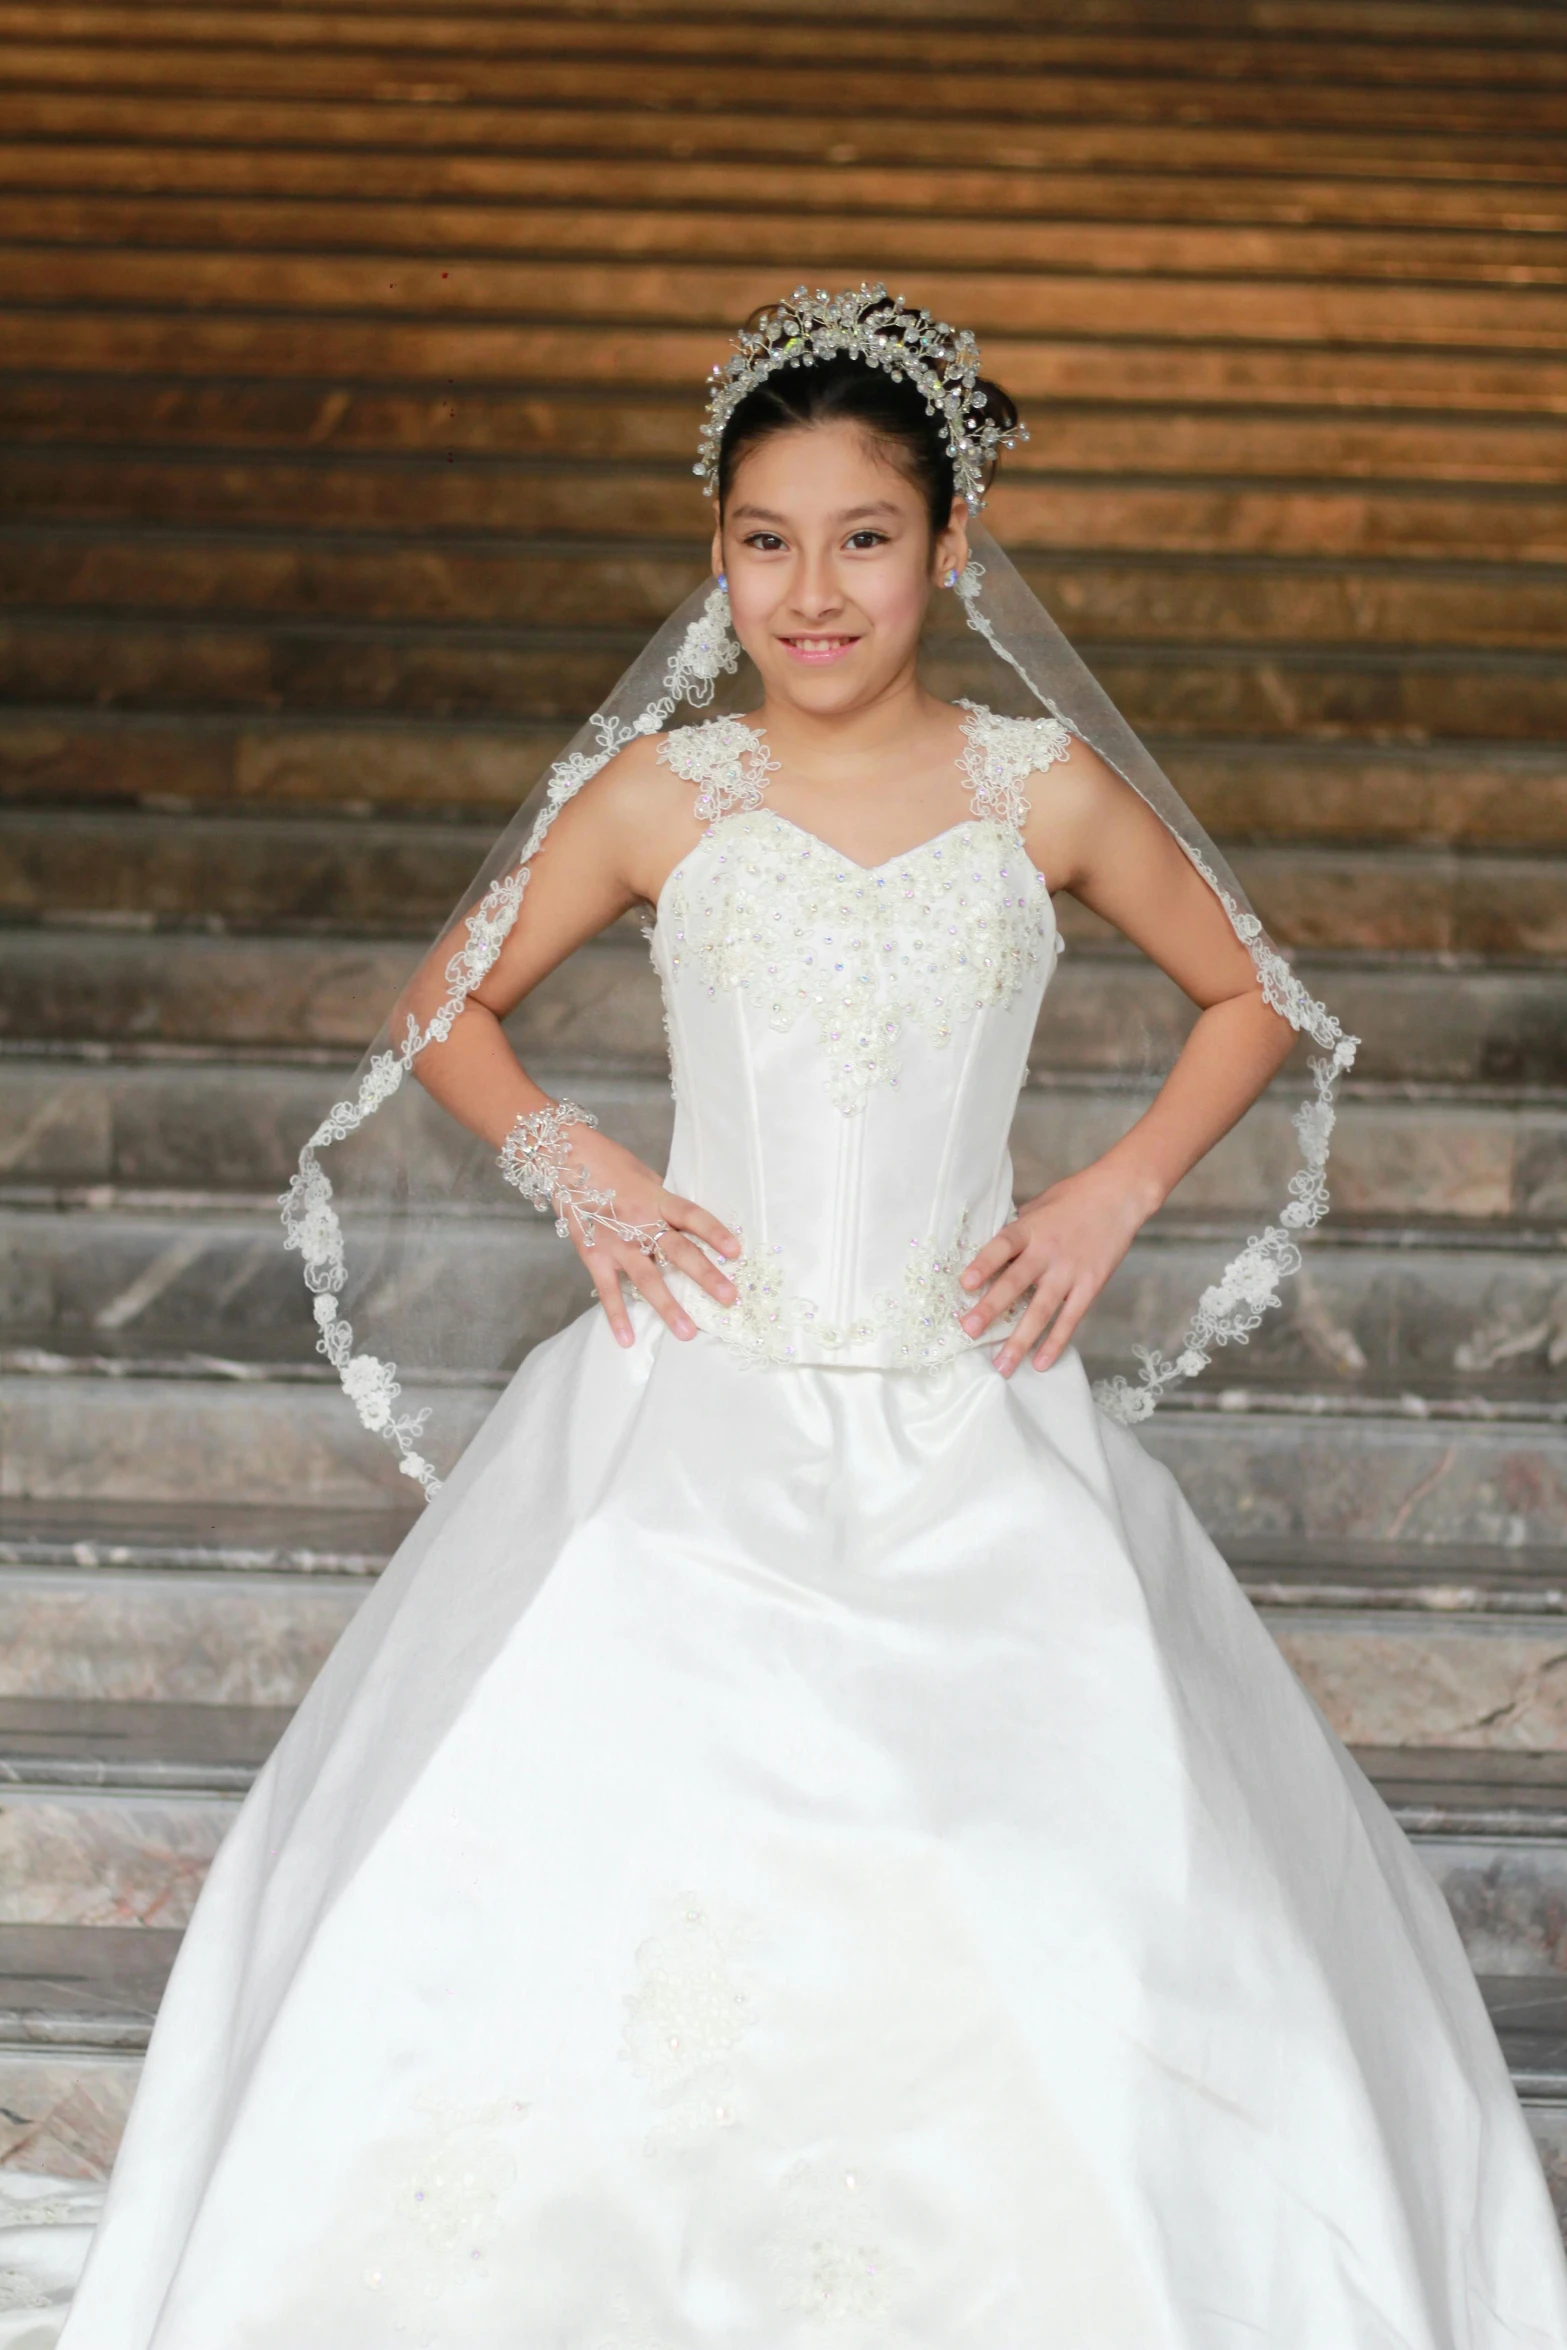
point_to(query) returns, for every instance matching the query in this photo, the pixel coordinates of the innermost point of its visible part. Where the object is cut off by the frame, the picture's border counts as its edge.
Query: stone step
(1137, 367)
(129, 1603)
(646, 427)
(496, 494)
(78, 2004)
(1512, 88)
(110, 1815)
(131, 986)
(99, 1129)
(788, 236)
(405, 539)
(1458, 1319)
(371, 874)
(1486, 795)
(1316, 1460)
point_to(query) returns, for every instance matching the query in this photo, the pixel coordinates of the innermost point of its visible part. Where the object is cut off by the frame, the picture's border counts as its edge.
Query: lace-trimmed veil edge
(683, 664)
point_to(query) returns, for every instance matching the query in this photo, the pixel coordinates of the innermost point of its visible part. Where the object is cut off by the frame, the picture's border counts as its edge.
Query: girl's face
(828, 549)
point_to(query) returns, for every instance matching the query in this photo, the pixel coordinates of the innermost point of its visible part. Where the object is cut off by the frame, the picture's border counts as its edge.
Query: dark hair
(846, 389)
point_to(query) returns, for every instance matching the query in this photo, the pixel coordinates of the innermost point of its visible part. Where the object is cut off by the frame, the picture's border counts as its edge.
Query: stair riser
(211, 1128)
(141, 1860)
(433, 498)
(1247, 1475)
(307, 669)
(251, 1640)
(1410, 316)
(377, 875)
(175, 1638)
(1257, 791)
(634, 426)
(1249, 194)
(64, 2115)
(119, 1283)
(1104, 1012)
(105, 1861)
(1201, 567)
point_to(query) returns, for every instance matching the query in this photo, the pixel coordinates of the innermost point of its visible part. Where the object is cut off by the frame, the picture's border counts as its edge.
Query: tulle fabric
(400, 1219)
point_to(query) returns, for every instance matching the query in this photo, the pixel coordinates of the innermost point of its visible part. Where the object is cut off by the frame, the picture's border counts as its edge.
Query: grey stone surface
(1449, 1019)
(186, 1638)
(1476, 1310)
(63, 2113)
(77, 1859)
(213, 1121)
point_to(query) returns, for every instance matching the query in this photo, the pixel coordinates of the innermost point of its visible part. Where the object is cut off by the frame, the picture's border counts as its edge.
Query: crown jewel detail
(866, 323)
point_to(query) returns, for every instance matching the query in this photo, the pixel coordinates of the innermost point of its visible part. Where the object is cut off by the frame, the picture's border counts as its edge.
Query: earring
(723, 581)
(950, 576)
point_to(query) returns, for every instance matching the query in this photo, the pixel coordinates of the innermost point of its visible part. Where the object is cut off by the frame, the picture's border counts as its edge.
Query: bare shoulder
(630, 791)
(1080, 811)
(634, 818)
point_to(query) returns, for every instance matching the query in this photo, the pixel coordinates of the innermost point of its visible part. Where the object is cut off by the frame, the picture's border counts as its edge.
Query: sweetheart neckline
(841, 856)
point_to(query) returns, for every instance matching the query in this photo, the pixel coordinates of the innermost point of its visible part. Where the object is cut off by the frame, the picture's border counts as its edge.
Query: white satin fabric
(804, 1856)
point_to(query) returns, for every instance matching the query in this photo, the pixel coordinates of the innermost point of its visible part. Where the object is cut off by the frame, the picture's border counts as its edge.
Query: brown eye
(868, 538)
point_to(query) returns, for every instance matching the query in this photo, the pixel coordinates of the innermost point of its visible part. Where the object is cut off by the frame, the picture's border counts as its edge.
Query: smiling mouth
(819, 648)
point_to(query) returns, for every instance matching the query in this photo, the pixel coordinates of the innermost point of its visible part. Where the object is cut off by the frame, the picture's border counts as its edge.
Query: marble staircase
(348, 384)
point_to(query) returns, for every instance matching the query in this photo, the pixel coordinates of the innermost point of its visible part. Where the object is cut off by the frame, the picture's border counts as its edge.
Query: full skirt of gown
(816, 1859)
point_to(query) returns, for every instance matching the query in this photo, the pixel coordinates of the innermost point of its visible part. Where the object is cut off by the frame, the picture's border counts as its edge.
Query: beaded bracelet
(536, 1160)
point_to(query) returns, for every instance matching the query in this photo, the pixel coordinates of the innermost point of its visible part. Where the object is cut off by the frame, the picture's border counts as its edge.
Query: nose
(816, 591)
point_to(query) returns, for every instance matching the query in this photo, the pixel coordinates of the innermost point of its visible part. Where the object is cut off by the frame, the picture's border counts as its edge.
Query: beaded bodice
(847, 1044)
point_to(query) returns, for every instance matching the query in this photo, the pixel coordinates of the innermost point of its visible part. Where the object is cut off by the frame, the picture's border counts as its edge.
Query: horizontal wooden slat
(535, 583)
(960, 192)
(461, 234)
(1191, 687)
(480, 420)
(822, 86)
(1180, 52)
(559, 498)
(838, 140)
(1264, 791)
(678, 358)
(1425, 20)
(1181, 310)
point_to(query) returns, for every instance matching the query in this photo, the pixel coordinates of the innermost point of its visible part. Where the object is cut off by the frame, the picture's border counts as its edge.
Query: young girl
(807, 1843)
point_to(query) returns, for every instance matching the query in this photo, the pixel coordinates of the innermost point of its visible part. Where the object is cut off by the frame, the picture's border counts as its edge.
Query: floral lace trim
(913, 1327)
(999, 756)
(727, 761)
(310, 1221)
(1233, 1306)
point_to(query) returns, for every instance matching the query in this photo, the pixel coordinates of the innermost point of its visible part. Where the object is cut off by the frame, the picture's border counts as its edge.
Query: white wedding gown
(807, 1844)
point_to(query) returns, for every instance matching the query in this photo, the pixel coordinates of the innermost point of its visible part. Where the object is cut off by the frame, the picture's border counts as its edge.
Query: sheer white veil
(427, 1274)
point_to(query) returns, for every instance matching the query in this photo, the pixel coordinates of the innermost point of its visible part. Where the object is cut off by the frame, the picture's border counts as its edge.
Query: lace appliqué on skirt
(690, 2010)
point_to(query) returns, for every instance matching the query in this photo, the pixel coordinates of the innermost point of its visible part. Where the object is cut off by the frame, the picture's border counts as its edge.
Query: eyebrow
(851, 514)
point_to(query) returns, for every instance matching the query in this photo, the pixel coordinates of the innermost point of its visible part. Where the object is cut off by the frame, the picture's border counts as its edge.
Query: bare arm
(609, 849)
(1092, 835)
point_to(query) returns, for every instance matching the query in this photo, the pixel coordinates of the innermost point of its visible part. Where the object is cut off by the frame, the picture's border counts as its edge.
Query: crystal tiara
(868, 323)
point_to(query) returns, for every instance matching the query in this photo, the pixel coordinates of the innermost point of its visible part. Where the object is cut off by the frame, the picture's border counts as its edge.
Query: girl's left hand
(1064, 1245)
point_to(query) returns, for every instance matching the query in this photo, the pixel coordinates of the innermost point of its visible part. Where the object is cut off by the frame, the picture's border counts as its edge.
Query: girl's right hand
(641, 1199)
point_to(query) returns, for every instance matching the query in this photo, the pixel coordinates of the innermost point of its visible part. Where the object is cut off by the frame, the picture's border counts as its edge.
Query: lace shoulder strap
(999, 756)
(726, 760)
